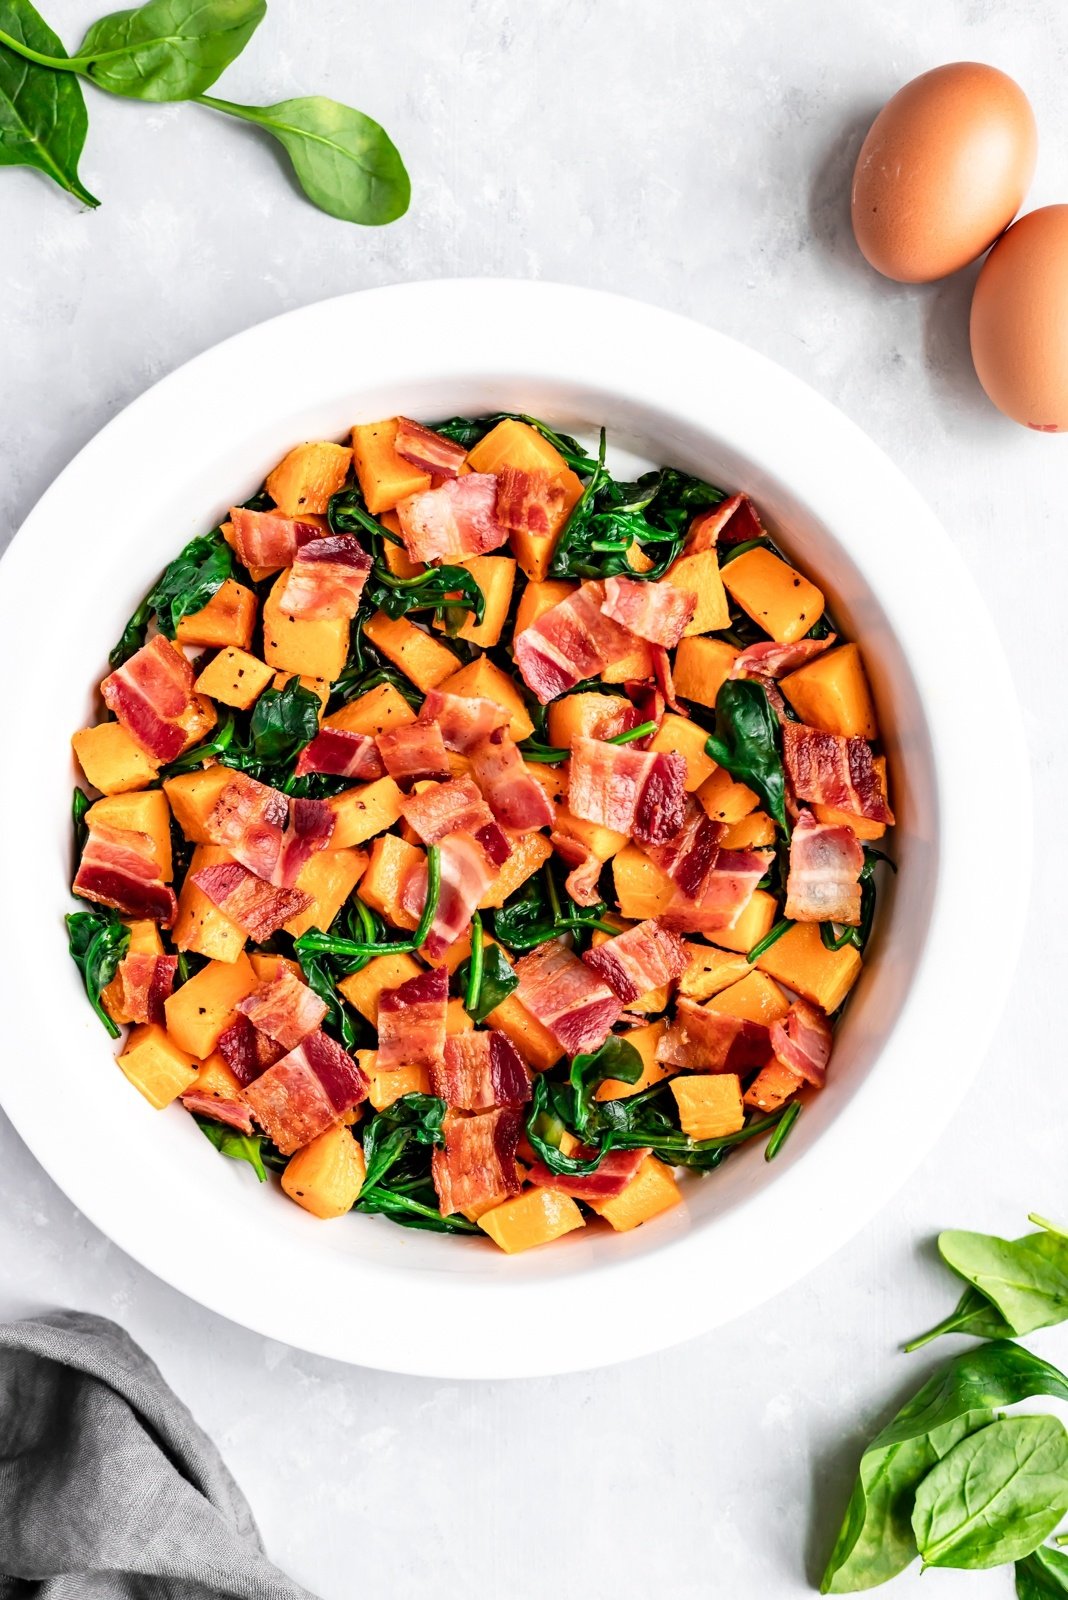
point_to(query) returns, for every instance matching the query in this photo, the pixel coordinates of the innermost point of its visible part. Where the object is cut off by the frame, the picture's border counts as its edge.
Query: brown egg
(1020, 321)
(943, 170)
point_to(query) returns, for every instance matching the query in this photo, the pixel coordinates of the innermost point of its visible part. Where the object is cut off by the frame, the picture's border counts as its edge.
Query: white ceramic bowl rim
(359, 1290)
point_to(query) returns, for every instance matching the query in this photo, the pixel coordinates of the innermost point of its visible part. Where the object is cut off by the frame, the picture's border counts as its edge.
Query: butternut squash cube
(531, 1038)
(197, 720)
(754, 998)
(529, 852)
(145, 941)
(235, 678)
(318, 686)
(329, 876)
(587, 716)
(390, 862)
(200, 925)
(724, 799)
(832, 693)
(777, 597)
(482, 679)
(495, 576)
(652, 1190)
(385, 477)
(216, 1078)
(701, 575)
(396, 556)
(304, 480)
(362, 812)
(373, 713)
(539, 597)
(419, 656)
(192, 797)
(516, 444)
(269, 967)
(365, 988)
(112, 761)
(711, 971)
(710, 1104)
(143, 811)
(637, 663)
(642, 890)
(228, 618)
(645, 1042)
(309, 647)
(327, 1175)
(772, 1085)
(156, 1065)
(756, 920)
(537, 1216)
(863, 827)
(385, 1087)
(687, 739)
(702, 666)
(204, 1007)
(755, 832)
(801, 961)
(456, 1018)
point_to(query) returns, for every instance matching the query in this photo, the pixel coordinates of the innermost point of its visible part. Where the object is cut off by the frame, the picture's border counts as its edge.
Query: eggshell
(943, 170)
(1019, 326)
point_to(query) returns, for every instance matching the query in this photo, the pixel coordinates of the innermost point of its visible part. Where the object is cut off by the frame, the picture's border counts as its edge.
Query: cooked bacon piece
(146, 981)
(586, 867)
(465, 877)
(118, 868)
(571, 641)
(649, 704)
(723, 896)
(575, 1004)
(610, 1176)
(257, 907)
(516, 799)
(690, 854)
(824, 879)
(414, 753)
(528, 502)
(655, 611)
(456, 807)
(665, 682)
(476, 1168)
(829, 770)
(411, 1022)
(453, 522)
(637, 792)
(233, 1112)
(310, 828)
(771, 660)
(703, 1040)
(284, 1008)
(149, 693)
(802, 1042)
(644, 957)
(427, 450)
(326, 579)
(342, 753)
(463, 722)
(479, 1071)
(267, 538)
(247, 820)
(733, 521)
(306, 1092)
(247, 1051)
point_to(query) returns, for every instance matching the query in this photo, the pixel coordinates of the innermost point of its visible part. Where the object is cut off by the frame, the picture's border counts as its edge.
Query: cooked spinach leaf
(746, 743)
(80, 804)
(187, 584)
(445, 590)
(283, 722)
(396, 1146)
(467, 431)
(496, 982)
(231, 1142)
(97, 940)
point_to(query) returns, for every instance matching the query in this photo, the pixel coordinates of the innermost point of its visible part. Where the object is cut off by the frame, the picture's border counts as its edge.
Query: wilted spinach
(80, 803)
(467, 431)
(448, 591)
(97, 940)
(496, 981)
(396, 1146)
(283, 722)
(235, 1144)
(187, 584)
(746, 743)
(536, 915)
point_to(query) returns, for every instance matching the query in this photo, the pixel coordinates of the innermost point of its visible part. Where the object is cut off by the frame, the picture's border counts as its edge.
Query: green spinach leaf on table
(1043, 1575)
(1014, 1285)
(746, 743)
(167, 49)
(43, 121)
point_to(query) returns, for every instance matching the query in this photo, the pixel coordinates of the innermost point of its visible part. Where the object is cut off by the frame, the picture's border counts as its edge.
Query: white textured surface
(698, 156)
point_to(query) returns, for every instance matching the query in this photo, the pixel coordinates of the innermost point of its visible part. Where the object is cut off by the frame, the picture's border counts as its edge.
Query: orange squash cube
(141, 811)
(711, 971)
(304, 480)
(216, 1078)
(385, 477)
(228, 618)
(112, 761)
(390, 862)
(832, 693)
(516, 444)
(642, 890)
(687, 739)
(156, 1065)
(192, 797)
(801, 961)
(537, 1216)
(235, 678)
(754, 998)
(308, 647)
(529, 852)
(204, 1007)
(365, 988)
(200, 925)
(329, 877)
(710, 1104)
(651, 1191)
(755, 832)
(269, 967)
(772, 1085)
(482, 679)
(326, 1176)
(756, 920)
(362, 812)
(373, 713)
(386, 1087)
(701, 668)
(701, 575)
(584, 716)
(724, 799)
(539, 597)
(777, 597)
(418, 655)
(495, 576)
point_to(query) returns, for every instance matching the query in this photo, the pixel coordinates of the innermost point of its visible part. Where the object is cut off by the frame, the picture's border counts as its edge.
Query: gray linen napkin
(107, 1485)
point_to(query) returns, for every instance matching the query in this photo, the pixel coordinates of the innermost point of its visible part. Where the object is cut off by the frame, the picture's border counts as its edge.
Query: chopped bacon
(268, 539)
(465, 877)
(516, 799)
(414, 753)
(827, 769)
(343, 753)
(257, 907)
(733, 521)
(119, 868)
(284, 1008)
(665, 681)
(429, 451)
(233, 1112)
(326, 579)
(247, 820)
(247, 1051)
(476, 1168)
(824, 879)
(658, 612)
(723, 896)
(306, 1092)
(644, 957)
(690, 854)
(453, 522)
(479, 1071)
(586, 867)
(570, 641)
(637, 792)
(802, 1042)
(146, 982)
(411, 1022)
(649, 704)
(310, 828)
(575, 1004)
(149, 693)
(463, 722)
(456, 807)
(610, 1176)
(771, 660)
(529, 502)
(703, 1040)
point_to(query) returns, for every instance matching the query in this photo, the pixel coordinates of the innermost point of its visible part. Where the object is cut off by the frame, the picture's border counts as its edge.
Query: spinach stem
(433, 894)
(474, 971)
(642, 731)
(768, 940)
(782, 1131)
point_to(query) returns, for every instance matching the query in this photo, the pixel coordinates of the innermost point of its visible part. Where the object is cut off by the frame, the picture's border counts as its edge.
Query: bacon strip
(529, 502)
(582, 881)
(479, 1071)
(723, 896)
(665, 683)
(771, 660)
(516, 799)
(465, 877)
(456, 807)
(248, 820)
(690, 854)
(306, 1092)
(823, 884)
(257, 907)
(149, 694)
(326, 579)
(119, 869)
(575, 1004)
(233, 1112)
(414, 753)
(827, 769)
(703, 1040)
(247, 1051)
(802, 1042)
(310, 828)
(571, 641)
(284, 1008)
(453, 522)
(146, 982)
(610, 1176)
(463, 722)
(733, 521)
(637, 792)
(476, 1168)
(427, 450)
(267, 538)
(656, 611)
(411, 1022)
(644, 957)
(342, 753)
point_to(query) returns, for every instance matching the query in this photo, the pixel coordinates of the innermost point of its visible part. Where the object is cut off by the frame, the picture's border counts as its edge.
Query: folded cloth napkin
(107, 1485)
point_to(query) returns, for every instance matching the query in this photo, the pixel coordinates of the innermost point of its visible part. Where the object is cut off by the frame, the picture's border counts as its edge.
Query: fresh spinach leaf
(167, 49)
(230, 1142)
(1014, 1285)
(746, 743)
(97, 941)
(498, 980)
(995, 1496)
(283, 722)
(1043, 1575)
(43, 120)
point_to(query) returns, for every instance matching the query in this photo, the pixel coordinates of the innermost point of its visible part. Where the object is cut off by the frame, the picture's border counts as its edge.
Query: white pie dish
(360, 1289)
